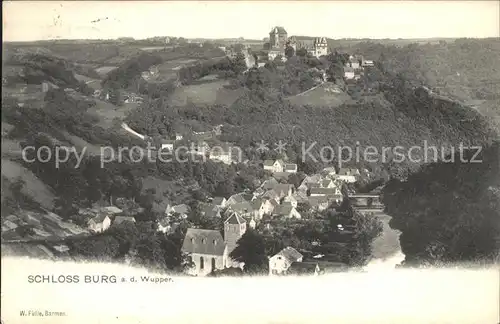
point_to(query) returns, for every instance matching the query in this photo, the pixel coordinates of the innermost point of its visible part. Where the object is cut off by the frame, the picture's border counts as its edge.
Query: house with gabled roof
(348, 175)
(238, 198)
(281, 261)
(210, 210)
(219, 201)
(99, 223)
(286, 211)
(226, 154)
(292, 200)
(262, 206)
(243, 209)
(274, 165)
(206, 250)
(182, 209)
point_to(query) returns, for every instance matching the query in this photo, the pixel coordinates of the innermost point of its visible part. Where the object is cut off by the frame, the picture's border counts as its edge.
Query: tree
(239, 63)
(289, 51)
(251, 250)
(302, 52)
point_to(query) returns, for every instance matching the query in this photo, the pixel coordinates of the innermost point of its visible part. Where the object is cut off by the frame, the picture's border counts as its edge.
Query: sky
(41, 20)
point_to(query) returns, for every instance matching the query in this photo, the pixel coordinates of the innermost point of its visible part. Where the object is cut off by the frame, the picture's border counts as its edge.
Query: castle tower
(234, 228)
(278, 37)
(320, 46)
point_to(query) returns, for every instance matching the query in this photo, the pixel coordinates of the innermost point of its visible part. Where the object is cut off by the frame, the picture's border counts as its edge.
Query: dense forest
(449, 211)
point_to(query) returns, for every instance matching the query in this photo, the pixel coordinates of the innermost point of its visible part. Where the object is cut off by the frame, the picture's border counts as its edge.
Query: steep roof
(202, 241)
(278, 29)
(268, 162)
(235, 219)
(290, 254)
(242, 207)
(99, 218)
(181, 209)
(283, 209)
(218, 200)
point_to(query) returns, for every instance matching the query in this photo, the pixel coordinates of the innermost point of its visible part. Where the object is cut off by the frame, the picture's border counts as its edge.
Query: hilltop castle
(279, 40)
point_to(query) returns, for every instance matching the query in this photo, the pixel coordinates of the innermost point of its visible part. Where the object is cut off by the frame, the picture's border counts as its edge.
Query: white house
(281, 261)
(348, 175)
(349, 73)
(274, 165)
(99, 224)
(206, 249)
(287, 211)
(290, 168)
(262, 207)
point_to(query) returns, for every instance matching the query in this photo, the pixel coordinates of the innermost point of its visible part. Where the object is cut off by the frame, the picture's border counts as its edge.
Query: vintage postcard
(250, 162)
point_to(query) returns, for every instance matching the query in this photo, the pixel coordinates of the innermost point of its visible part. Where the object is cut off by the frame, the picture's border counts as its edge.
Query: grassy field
(107, 112)
(204, 94)
(33, 188)
(326, 95)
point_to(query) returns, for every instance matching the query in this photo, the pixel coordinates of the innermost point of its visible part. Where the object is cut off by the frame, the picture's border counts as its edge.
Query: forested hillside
(449, 212)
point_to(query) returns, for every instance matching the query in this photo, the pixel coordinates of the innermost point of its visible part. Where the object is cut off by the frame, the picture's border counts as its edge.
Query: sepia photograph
(256, 162)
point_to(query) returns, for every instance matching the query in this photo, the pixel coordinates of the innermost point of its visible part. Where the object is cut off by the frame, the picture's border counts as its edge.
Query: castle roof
(278, 30)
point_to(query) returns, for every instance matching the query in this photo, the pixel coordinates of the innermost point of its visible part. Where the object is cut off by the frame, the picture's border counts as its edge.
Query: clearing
(107, 112)
(208, 93)
(327, 94)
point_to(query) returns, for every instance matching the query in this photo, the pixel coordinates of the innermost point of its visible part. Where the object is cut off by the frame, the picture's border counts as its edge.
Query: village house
(319, 203)
(329, 172)
(330, 192)
(281, 261)
(166, 225)
(349, 73)
(182, 209)
(274, 165)
(238, 198)
(219, 202)
(262, 206)
(120, 219)
(226, 154)
(99, 223)
(206, 250)
(243, 209)
(304, 268)
(292, 200)
(348, 175)
(290, 168)
(210, 210)
(286, 211)
(309, 182)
